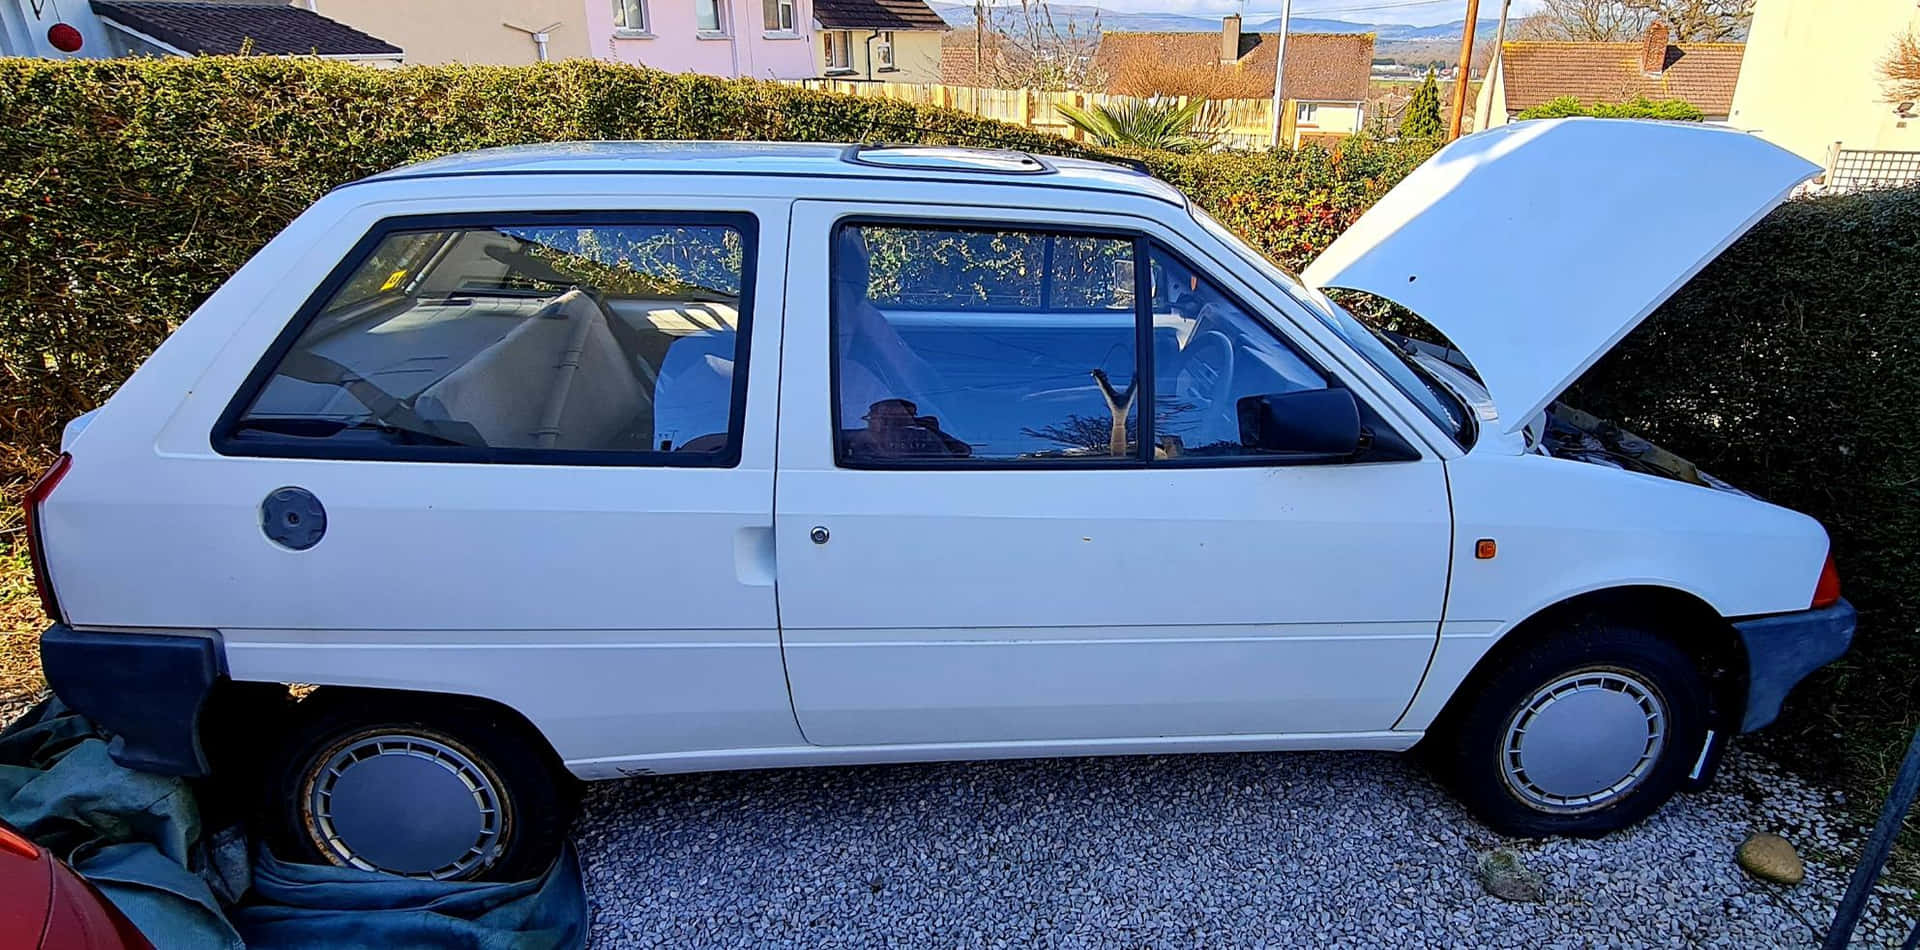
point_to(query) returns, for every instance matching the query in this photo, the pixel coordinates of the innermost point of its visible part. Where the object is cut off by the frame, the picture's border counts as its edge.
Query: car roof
(932, 164)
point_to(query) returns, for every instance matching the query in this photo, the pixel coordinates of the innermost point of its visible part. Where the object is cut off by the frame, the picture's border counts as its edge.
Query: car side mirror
(1319, 423)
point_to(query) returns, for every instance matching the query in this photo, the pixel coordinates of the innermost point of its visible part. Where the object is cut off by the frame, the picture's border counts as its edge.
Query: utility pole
(1465, 69)
(1494, 64)
(1280, 73)
(979, 39)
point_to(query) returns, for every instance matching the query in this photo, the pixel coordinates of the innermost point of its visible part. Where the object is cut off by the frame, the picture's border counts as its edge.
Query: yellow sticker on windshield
(393, 280)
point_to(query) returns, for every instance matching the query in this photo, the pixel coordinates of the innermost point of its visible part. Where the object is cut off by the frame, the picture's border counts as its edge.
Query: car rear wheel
(423, 788)
(1583, 733)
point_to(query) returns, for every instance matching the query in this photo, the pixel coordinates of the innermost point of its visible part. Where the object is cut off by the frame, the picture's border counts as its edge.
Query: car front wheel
(1583, 733)
(415, 787)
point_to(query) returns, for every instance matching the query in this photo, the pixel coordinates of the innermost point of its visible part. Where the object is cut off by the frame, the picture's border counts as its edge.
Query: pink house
(762, 39)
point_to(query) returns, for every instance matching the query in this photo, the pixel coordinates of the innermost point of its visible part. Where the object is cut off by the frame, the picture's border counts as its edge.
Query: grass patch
(20, 624)
(21, 619)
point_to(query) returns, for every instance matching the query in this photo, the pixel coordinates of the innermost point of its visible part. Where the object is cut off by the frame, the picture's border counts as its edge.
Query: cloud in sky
(1418, 12)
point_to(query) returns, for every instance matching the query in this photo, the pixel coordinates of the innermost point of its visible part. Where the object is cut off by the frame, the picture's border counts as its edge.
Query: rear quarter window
(578, 339)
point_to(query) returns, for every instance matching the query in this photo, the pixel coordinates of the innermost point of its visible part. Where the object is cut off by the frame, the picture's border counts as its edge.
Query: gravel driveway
(1300, 849)
(1295, 849)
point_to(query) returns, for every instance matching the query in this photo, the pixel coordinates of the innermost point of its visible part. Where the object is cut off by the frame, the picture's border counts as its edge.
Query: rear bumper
(147, 689)
(1783, 649)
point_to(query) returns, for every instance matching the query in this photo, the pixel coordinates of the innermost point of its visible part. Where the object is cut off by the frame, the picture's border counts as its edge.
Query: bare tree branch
(1023, 46)
(1586, 21)
(1698, 21)
(1900, 71)
(1615, 21)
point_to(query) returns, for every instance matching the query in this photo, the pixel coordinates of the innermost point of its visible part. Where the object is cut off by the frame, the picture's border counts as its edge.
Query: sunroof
(948, 159)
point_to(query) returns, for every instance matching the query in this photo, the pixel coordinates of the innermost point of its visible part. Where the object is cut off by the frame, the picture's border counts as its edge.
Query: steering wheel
(1206, 370)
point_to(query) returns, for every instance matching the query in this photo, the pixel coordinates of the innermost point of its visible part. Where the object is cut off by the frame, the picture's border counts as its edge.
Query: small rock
(1502, 874)
(1770, 858)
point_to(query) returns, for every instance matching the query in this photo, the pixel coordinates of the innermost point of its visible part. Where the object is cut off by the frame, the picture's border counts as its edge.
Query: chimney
(1230, 38)
(1653, 49)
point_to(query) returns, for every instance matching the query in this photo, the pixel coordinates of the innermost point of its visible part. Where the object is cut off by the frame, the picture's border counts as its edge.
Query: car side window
(1212, 362)
(604, 338)
(962, 345)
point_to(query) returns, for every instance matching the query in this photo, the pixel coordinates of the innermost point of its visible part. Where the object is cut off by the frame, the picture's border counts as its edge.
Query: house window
(706, 17)
(629, 16)
(883, 51)
(778, 14)
(1309, 113)
(838, 49)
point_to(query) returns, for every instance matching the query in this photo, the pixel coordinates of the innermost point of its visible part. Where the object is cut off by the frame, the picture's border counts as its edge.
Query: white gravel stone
(1242, 850)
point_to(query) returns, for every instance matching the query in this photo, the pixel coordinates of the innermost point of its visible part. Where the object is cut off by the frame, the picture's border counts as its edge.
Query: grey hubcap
(406, 805)
(1582, 741)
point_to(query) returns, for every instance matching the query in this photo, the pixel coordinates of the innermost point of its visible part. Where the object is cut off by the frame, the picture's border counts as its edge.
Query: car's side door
(984, 537)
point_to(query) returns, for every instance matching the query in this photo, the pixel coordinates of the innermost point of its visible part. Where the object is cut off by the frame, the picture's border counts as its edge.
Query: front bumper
(1783, 649)
(147, 689)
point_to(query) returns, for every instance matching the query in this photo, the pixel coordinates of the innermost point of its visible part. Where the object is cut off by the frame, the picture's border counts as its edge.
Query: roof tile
(877, 15)
(1700, 73)
(227, 28)
(1326, 67)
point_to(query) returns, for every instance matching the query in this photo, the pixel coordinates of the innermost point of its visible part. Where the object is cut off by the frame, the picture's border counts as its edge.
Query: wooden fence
(1244, 123)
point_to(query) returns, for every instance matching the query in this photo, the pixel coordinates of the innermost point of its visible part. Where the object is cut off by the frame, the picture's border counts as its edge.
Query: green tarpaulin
(138, 838)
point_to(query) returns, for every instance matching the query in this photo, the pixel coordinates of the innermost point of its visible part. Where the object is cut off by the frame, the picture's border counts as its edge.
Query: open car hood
(1535, 247)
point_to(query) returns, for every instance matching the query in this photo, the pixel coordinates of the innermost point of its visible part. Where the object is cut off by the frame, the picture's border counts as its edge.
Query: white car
(624, 459)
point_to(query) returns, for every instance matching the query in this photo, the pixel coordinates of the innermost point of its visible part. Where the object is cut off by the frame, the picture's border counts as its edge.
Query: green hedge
(129, 189)
(1638, 107)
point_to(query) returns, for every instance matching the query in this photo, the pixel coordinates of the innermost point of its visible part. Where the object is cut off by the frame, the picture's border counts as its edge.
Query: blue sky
(1418, 12)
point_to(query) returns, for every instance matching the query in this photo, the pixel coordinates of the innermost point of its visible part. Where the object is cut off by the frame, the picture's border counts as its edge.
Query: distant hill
(1083, 17)
(1387, 32)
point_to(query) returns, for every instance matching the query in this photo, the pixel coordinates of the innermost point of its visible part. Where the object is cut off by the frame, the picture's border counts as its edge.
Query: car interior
(523, 340)
(1012, 376)
(489, 345)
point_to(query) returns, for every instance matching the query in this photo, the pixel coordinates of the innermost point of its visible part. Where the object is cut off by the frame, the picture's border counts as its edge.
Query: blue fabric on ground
(308, 905)
(131, 833)
(137, 837)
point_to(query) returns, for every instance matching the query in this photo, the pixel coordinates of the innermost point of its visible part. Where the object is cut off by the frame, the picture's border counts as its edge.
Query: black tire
(509, 764)
(1469, 750)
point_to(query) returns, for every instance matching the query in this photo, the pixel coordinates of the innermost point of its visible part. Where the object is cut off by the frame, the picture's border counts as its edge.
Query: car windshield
(1434, 398)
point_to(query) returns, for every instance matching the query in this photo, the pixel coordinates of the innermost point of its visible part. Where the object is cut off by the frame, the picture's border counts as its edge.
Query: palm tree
(1157, 123)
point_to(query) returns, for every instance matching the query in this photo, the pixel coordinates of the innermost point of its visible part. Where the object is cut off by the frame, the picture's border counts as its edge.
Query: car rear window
(606, 339)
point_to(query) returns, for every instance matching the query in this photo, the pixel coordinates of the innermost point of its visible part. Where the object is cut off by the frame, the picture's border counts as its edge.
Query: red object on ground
(65, 38)
(44, 904)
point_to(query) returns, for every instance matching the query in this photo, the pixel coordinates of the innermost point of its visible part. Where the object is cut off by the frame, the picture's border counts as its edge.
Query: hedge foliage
(129, 189)
(1638, 107)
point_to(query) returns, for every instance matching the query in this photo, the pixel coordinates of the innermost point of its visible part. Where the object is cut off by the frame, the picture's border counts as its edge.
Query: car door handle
(753, 558)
